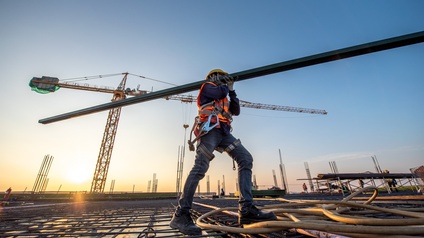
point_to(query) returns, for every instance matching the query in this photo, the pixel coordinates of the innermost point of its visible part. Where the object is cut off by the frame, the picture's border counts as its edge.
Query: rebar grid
(99, 219)
(149, 218)
(143, 218)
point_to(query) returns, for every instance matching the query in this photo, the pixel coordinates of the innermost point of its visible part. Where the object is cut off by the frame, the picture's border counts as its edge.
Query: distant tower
(378, 169)
(376, 164)
(335, 170)
(180, 167)
(308, 173)
(149, 185)
(333, 167)
(283, 174)
(112, 186)
(275, 178)
(208, 185)
(219, 187)
(255, 185)
(154, 184)
(223, 184)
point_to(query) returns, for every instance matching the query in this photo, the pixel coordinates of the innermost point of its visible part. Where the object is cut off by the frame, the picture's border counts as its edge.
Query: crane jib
(348, 52)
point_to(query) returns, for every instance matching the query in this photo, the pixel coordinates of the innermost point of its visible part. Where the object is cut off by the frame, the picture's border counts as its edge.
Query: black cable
(144, 77)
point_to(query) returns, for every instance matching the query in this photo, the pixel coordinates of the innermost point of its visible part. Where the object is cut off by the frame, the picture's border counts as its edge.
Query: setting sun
(78, 174)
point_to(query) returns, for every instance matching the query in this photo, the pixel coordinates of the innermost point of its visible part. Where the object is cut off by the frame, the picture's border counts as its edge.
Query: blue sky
(374, 102)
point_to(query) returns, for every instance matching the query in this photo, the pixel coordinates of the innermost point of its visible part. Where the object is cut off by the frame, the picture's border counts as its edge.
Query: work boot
(183, 222)
(249, 214)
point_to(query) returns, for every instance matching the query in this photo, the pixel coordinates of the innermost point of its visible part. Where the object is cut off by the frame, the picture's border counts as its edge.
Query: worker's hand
(230, 82)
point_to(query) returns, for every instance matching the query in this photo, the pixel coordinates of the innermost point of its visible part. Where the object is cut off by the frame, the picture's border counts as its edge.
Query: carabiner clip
(206, 127)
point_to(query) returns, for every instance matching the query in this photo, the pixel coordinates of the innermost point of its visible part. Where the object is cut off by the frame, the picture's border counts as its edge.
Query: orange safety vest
(220, 106)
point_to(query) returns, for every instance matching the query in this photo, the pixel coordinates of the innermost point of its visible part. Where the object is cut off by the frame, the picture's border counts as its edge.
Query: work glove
(230, 82)
(214, 79)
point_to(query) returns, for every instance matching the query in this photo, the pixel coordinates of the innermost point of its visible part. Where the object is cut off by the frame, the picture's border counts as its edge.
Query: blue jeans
(214, 139)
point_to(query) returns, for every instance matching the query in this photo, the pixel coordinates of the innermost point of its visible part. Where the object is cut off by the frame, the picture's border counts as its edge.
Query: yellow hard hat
(216, 71)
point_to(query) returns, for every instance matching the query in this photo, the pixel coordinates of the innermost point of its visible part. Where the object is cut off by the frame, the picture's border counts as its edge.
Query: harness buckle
(204, 129)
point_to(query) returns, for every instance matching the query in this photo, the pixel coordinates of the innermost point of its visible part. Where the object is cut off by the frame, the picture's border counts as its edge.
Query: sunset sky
(375, 102)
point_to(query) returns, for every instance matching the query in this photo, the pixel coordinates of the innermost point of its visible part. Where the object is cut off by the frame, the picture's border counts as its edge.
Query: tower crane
(51, 84)
(191, 98)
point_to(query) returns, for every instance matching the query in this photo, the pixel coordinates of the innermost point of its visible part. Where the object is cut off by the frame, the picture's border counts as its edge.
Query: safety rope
(310, 217)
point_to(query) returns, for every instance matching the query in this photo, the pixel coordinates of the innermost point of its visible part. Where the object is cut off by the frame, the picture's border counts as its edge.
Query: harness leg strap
(232, 146)
(202, 149)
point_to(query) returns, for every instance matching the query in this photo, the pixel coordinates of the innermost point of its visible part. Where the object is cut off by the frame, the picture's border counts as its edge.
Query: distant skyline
(374, 102)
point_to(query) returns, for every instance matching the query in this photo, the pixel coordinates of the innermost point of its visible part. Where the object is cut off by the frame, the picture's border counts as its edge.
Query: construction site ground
(143, 218)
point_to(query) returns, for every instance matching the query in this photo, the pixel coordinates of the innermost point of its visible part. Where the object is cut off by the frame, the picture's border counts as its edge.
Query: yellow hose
(383, 230)
(329, 216)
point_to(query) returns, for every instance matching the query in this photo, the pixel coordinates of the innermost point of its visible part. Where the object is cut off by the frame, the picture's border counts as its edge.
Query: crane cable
(326, 215)
(91, 77)
(111, 75)
(186, 109)
(156, 80)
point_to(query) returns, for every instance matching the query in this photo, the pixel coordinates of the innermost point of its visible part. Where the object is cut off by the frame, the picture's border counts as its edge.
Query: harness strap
(190, 141)
(217, 109)
(232, 146)
(207, 105)
(202, 129)
(223, 112)
(202, 149)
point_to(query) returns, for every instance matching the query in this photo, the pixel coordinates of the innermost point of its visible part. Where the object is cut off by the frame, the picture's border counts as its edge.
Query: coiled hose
(312, 217)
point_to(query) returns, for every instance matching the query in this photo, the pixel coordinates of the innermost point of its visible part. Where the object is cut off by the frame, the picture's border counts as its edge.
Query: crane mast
(106, 148)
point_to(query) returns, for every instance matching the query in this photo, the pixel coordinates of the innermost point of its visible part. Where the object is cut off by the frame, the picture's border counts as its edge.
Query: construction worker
(7, 194)
(305, 188)
(213, 100)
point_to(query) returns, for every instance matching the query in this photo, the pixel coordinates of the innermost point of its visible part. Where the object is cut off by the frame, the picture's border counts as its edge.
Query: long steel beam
(329, 56)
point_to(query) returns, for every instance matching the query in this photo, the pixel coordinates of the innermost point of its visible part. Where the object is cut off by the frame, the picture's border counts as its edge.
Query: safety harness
(209, 117)
(201, 127)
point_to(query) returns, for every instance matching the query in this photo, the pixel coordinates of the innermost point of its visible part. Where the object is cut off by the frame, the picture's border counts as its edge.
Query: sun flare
(77, 175)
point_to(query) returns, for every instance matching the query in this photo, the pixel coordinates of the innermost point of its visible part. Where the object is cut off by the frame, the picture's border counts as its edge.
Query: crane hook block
(44, 84)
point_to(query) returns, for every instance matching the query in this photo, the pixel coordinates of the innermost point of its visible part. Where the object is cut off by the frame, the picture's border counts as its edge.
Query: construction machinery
(191, 98)
(51, 84)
